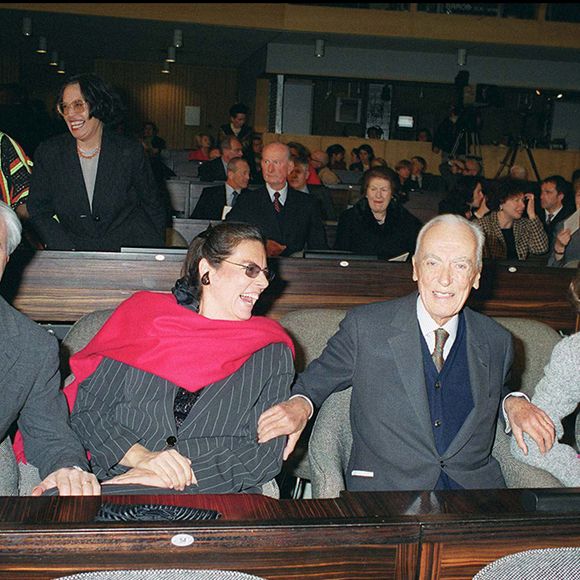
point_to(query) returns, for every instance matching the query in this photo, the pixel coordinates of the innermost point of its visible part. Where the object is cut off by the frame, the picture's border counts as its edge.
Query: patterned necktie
(549, 218)
(235, 197)
(441, 335)
(277, 204)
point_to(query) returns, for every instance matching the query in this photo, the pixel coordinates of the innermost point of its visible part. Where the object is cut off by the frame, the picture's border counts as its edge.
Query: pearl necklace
(88, 154)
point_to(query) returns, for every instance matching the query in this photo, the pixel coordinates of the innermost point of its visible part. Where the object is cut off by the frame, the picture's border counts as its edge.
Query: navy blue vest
(449, 393)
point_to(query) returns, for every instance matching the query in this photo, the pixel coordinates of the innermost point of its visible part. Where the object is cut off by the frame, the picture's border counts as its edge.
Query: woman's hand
(561, 241)
(172, 468)
(530, 205)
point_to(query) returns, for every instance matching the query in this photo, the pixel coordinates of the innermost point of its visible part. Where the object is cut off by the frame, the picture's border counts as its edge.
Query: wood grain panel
(150, 95)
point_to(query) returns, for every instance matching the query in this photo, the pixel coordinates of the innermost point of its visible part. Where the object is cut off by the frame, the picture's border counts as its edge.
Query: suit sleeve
(49, 441)
(40, 203)
(343, 233)
(333, 370)
(316, 232)
(237, 464)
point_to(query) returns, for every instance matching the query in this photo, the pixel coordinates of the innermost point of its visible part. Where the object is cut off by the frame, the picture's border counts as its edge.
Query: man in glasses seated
(291, 220)
(169, 392)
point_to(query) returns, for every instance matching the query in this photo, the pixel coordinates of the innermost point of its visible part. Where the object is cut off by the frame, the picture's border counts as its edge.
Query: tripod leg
(504, 163)
(533, 163)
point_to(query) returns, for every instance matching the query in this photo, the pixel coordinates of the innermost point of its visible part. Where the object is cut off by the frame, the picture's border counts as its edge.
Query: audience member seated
(451, 171)
(377, 225)
(253, 155)
(92, 189)
(302, 152)
(558, 394)
(419, 179)
(366, 155)
(216, 169)
(554, 204)
(509, 235)
(215, 202)
(427, 375)
(319, 160)
(472, 167)
(201, 148)
(467, 199)
(153, 145)
(297, 179)
(378, 162)
(336, 155)
(375, 132)
(169, 392)
(424, 135)
(289, 219)
(518, 172)
(31, 393)
(403, 169)
(237, 127)
(566, 250)
(15, 168)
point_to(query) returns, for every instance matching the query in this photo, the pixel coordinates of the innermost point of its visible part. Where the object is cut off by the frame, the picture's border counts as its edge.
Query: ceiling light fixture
(559, 95)
(41, 45)
(165, 68)
(177, 38)
(27, 26)
(319, 48)
(538, 92)
(461, 57)
(53, 58)
(170, 54)
(61, 70)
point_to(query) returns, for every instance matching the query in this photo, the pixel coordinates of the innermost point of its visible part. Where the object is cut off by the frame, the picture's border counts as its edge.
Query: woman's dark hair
(104, 103)
(463, 190)
(237, 109)
(215, 245)
(501, 190)
(369, 150)
(334, 149)
(381, 173)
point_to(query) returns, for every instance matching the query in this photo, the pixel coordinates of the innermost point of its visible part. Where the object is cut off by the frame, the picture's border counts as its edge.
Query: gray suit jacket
(118, 406)
(377, 350)
(30, 393)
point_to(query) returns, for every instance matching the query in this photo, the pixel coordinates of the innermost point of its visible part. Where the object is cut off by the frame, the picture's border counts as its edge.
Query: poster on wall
(379, 109)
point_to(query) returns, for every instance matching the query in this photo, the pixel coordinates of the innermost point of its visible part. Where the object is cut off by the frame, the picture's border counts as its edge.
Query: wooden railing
(51, 286)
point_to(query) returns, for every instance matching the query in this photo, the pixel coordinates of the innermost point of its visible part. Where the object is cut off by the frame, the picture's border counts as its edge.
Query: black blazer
(127, 208)
(564, 213)
(359, 232)
(211, 203)
(212, 170)
(299, 224)
(322, 194)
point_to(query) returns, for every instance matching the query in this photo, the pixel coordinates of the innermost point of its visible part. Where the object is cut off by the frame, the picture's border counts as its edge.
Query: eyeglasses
(253, 270)
(78, 106)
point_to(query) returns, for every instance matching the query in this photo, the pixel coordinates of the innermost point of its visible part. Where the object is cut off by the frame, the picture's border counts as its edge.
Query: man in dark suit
(216, 169)
(298, 180)
(213, 200)
(552, 197)
(428, 377)
(30, 390)
(289, 218)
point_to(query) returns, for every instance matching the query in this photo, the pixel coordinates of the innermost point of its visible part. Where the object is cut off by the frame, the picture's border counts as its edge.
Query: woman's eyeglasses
(253, 270)
(78, 106)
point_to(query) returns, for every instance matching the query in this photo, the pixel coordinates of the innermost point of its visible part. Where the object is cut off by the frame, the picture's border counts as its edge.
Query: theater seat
(177, 574)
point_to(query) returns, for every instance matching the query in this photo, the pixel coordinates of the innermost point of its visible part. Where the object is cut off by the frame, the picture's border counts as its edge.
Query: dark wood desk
(402, 535)
(52, 286)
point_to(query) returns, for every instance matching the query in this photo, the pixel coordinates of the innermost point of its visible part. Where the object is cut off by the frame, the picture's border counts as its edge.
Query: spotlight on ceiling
(41, 45)
(538, 92)
(319, 48)
(170, 54)
(165, 68)
(559, 95)
(27, 26)
(177, 38)
(53, 58)
(61, 69)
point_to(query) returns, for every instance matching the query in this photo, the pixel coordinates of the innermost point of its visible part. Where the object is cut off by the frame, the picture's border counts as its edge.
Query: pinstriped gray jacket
(118, 406)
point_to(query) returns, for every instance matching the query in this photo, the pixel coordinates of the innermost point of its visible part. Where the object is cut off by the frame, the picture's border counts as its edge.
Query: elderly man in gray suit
(428, 377)
(30, 390)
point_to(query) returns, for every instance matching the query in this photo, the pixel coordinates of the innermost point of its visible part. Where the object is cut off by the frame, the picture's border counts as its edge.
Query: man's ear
(415, 277)
(475, 284)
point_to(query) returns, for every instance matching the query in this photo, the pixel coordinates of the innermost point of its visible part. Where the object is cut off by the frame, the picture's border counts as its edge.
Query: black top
(510, 244)
(359, 232)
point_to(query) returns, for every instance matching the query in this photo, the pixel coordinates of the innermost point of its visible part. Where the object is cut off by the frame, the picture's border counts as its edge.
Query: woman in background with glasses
(378, 225)
(169, 392)
(92, 189)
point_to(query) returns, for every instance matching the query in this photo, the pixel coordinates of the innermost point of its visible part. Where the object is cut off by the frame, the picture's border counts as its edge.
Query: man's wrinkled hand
(525, 417)
(287, 418)
(139, 476)
(69, 481)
